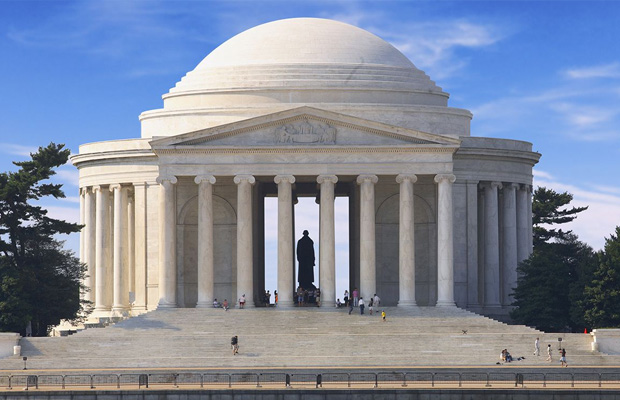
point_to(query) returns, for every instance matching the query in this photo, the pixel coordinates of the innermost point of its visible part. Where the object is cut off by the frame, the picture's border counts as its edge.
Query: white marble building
(304, 107)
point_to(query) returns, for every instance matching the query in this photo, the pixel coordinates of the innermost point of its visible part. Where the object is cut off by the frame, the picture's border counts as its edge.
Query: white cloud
(598, 71)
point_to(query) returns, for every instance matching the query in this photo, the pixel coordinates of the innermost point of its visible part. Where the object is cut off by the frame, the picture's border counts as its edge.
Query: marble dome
(296, 62)
(307, 53)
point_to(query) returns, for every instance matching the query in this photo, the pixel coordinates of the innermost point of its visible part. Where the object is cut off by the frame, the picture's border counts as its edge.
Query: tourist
(537, 347)
(242, 301)
(508, 356)
(355, 297)
(317, 297)
(216, 304)
(383, 315)
(350, 307)
(563, 361)
(234, 343)
(338, 303)
(549, 356)
(370, 306)
(300, 296)
(225, 305)
(346, 298)
(275, 297)
(360, 303)
(377, 300)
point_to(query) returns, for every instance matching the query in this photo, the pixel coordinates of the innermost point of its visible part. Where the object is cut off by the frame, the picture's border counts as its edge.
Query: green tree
(602, 296)
(551, 281)
(549, 209)
(39, 281)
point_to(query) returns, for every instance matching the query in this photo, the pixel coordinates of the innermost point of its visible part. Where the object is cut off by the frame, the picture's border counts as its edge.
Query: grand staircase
(306, 337)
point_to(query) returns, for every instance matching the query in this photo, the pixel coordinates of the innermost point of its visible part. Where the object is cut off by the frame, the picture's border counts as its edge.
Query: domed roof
(289, 60)
(304, 41)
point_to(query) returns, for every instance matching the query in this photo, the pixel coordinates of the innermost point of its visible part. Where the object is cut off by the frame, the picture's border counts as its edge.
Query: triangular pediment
(303, 126)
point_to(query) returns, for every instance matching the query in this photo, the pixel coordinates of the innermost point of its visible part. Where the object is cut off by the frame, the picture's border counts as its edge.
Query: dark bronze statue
(305, 257)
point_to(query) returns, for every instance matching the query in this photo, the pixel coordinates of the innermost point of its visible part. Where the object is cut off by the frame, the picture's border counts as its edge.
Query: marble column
(121, 293)
(286, 265)
(167, 242)
(140, 245)
(327, 241)
(102, 238)
(445, 240)
(89, 244)
(406, 241)
(509, 242)
(491, 245)
(368, 274)
(530, 227)
(245, 269)
(523, 225)
(472, 246)
(205, 241)
(131, 246)
(82, 219)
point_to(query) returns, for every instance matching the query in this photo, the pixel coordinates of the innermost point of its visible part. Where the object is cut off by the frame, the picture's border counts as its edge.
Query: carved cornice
(306, 150)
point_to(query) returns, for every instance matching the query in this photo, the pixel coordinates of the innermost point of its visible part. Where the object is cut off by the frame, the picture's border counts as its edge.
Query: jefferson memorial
(295, 108)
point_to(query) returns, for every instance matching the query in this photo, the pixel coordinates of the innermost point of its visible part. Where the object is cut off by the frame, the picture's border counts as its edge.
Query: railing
(275, 380)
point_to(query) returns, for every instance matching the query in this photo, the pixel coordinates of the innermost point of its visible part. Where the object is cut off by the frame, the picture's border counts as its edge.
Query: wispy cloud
(430, 44)
(17, 149)
(611, 70)
(602, 215)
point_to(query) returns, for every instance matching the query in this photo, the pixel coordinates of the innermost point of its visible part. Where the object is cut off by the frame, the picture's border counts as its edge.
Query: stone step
(272, 337)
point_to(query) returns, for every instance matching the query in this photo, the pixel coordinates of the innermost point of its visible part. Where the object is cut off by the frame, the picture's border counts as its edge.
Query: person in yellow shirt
(383, 315)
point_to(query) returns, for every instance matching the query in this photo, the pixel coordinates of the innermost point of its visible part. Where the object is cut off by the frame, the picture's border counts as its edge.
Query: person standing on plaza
(383, 315)
(346, 298)
(563, 361)
(355, 297)
(361, 304)
(537, 347)
(370, 303)
(242, 301)
(549, 356)
(377, 300)
(234, 343)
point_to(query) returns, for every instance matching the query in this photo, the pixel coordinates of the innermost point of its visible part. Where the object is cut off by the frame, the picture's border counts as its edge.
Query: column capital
(367, 178)
(327, 178)
(204, 179)
(244, 178)
(83, 191)
(511, 185)
(492, 185)
(526, 187)
(96, 188)
(284, 179)
(406, 177)
(445, 177)
(165, 178)
(114, 187)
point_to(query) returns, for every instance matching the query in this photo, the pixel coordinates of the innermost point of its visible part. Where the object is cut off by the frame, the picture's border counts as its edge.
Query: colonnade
(506, 237)
(327, 273)
(108, 244)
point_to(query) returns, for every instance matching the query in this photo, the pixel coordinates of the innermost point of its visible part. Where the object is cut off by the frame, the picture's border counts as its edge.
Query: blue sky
(544, 72)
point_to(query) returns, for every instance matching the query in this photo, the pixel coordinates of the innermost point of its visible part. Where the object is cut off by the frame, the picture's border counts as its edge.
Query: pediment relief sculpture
(305, 131)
